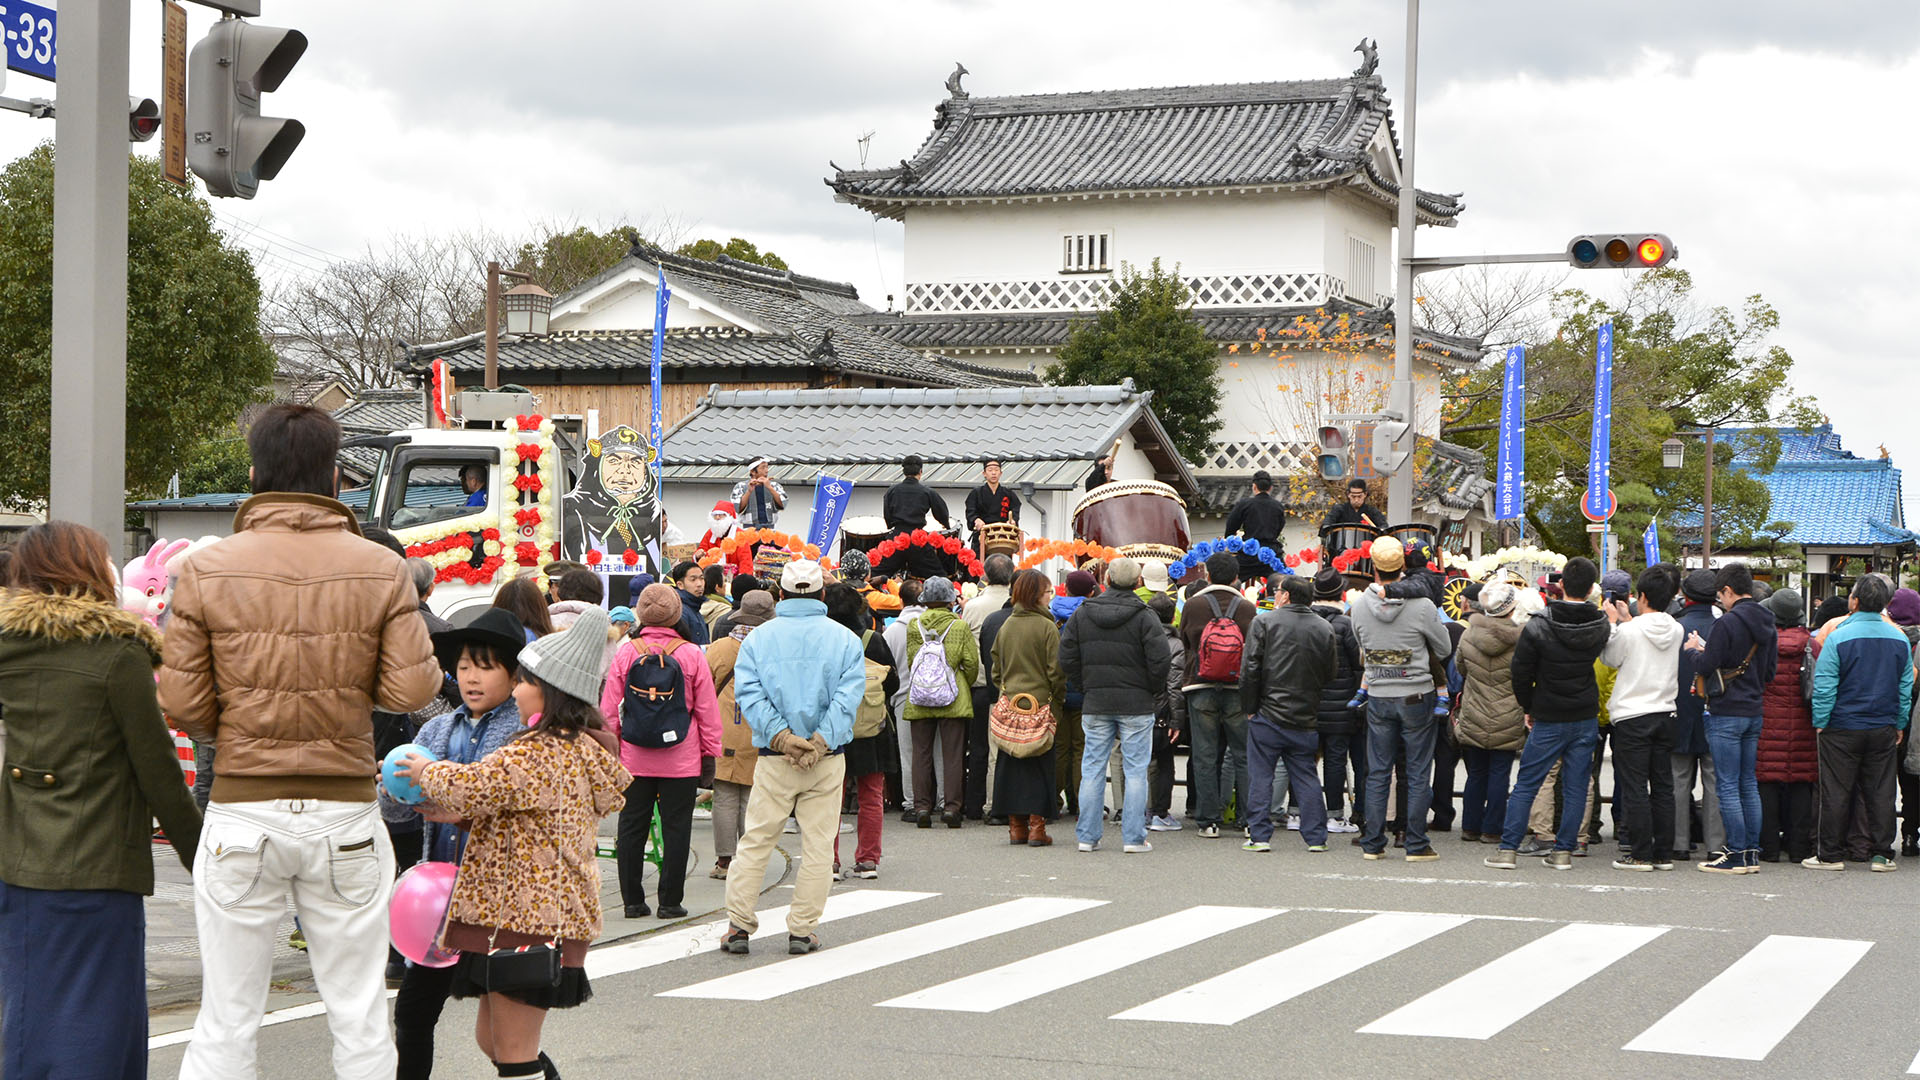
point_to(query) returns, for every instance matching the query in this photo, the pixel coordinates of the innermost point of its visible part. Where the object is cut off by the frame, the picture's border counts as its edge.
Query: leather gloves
(706, 772)
(800, 753)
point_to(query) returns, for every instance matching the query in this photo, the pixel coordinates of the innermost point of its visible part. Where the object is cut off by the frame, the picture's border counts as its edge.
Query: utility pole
(1400, 399)
(87, 477)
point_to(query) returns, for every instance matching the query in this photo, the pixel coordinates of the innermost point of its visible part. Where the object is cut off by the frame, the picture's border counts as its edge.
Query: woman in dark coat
(90, 765)
(1787, 764)
(867, 758)
(1026, 660)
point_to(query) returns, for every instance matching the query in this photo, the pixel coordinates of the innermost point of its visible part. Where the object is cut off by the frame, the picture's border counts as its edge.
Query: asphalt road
(1131, 965)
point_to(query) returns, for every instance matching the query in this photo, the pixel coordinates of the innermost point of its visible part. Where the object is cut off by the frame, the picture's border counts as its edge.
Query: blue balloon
(398, 786)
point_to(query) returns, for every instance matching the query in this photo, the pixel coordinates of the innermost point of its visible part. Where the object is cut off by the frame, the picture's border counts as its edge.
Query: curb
(187, 991)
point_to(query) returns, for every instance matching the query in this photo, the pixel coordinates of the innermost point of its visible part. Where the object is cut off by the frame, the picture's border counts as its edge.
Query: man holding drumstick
(989, 503)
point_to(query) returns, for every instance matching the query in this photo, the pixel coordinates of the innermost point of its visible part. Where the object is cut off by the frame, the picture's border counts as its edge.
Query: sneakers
(1342, 825)
(1209, 832)
(791, 828)
(1469, 837)
(1729, 862)
(1316, 847)
(800, 946)
(1259, 845)
(1504, 859)
(1628, 862)
(1293, 822)
(1095, 846)
(1163, 823)
(1580, 850)
(1560, 860)
(866, 871)
(735, 941)
(1140, 848)
(1423, 855)
(839, 874)
(907, 816)
(1813, 862)
(1884, 865)
(1663, 864)
(1532, 846)
(1372, 856)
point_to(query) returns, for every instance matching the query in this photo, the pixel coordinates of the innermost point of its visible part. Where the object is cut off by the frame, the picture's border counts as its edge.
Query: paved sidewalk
(173, 945)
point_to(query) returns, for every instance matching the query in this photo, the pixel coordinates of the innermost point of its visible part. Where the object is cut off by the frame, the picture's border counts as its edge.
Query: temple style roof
(1305, 134)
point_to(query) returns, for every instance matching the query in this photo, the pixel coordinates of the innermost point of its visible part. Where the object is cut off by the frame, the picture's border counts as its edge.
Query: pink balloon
(419, 910)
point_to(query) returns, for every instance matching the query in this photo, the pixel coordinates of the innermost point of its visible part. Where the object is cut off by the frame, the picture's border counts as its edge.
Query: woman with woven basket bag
(1026, 668)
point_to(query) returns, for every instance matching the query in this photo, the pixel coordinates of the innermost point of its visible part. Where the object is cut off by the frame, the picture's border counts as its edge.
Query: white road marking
(679, 944)
(1489, 999)
(1747, 1009)
(1254, 988)
(841, 961)
(1046, 972)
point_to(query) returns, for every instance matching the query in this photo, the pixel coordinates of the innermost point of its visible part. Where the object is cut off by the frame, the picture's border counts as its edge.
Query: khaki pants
(1540, 819)
(812, 797)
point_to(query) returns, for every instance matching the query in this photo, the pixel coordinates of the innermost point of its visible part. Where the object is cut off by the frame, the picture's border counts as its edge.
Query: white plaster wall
(1204, 235)
(630, 307)
(1349, 215)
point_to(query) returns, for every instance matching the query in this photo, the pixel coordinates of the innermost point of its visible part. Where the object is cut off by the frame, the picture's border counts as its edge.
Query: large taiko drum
(1416, 534)
(1335, 539)
(1000, 538)
(863, 533)
(1144, 519)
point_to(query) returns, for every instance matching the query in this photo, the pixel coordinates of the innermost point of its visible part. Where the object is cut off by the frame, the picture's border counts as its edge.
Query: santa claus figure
(721, 525)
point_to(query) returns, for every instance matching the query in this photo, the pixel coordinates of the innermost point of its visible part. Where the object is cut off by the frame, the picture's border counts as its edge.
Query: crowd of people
(300, 652)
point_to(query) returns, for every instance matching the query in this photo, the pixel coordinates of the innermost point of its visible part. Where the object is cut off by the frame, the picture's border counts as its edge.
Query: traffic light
(1385, 458)
(1333, 452)
(143, 119)
(1621, 251)
(230, 146)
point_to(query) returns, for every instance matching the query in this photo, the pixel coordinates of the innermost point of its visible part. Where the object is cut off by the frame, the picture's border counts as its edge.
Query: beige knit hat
(572, 661)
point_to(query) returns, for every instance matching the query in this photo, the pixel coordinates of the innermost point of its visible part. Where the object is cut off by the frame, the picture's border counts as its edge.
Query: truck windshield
(439, 491)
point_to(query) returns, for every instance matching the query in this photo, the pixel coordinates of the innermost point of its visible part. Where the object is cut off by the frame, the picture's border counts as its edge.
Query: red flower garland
(527, 553)
(529, 483)
(922, 538)
(528, 451)
(527, 519)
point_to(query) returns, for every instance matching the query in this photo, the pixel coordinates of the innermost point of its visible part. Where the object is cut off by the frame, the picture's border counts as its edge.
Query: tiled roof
(808, 323)
(1224, 325)
(1832, 496)
(1311, 133)
(377, 412)
(1047, 434)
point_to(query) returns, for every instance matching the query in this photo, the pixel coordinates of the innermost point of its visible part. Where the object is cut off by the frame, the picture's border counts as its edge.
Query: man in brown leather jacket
(283, 639)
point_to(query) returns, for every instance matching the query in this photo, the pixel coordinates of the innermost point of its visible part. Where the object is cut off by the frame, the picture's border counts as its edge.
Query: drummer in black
(990, 503)
(905, 508)
(1259, 517)
(1355, 511)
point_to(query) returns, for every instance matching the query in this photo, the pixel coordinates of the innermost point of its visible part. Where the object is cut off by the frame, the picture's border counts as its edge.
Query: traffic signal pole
(1400, 399)
(87, 477)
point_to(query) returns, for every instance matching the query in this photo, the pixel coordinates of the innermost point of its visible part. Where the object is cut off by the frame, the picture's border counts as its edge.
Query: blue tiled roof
(1832, 496)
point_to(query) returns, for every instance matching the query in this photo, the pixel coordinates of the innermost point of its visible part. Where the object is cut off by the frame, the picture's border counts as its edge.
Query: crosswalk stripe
(802, 972)
(1254, 988)
(679, 944)
(1489, 999)
(1746, 1010)
(1046, 972)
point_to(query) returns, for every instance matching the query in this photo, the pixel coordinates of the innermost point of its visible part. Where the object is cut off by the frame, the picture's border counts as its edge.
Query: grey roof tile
(1312, 133)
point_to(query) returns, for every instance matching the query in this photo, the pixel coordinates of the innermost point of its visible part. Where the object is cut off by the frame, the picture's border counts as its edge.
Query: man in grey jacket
(1398, 640)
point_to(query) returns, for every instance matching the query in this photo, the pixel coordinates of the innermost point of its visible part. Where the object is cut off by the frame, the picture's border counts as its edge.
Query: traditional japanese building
(1275, 201)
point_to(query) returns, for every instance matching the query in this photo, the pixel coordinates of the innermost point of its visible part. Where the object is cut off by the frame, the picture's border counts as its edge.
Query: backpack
(1221, 642)
(930, 682)
(653, 708)
(871, 717)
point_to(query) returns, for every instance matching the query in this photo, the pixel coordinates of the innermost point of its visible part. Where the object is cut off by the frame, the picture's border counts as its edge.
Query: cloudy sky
(1770, 138)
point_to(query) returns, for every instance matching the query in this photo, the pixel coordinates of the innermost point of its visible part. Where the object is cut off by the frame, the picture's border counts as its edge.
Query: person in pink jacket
(666, 776)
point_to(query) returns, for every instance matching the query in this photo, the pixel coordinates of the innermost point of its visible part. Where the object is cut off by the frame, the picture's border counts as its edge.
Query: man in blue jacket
(1737, 659)
(1862, 690)
(797, 684)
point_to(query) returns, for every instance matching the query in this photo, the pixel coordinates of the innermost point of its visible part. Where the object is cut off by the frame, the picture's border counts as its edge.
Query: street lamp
(528, 308)
(1673, 454)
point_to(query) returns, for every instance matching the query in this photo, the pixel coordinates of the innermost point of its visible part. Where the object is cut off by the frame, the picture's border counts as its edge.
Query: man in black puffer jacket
(1116, 650)
(1288, 659)
(1338, 718)
(1553, 681)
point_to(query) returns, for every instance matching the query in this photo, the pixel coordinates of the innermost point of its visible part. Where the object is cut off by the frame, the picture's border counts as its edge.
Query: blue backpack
(653, 709)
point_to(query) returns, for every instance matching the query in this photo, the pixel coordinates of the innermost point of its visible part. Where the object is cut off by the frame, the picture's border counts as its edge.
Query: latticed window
(1360, 269)
(1085, 252)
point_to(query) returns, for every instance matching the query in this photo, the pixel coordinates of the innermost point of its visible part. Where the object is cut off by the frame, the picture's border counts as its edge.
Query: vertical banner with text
(1510, 490)
(830, 497)
(173, 88)
(1599, 503)
(661, 294)
(1650, 540)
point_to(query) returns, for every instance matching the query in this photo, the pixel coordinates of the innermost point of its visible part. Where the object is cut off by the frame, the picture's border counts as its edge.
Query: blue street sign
(31, 38)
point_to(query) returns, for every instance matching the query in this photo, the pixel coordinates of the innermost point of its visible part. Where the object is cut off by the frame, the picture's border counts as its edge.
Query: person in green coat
(931, 710)
(1026, 660)
(89, 765)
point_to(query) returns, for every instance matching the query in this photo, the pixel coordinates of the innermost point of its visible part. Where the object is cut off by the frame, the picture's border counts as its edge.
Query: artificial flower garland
(449, 545)
(1039, 551)
(749, 537)
(922, 538)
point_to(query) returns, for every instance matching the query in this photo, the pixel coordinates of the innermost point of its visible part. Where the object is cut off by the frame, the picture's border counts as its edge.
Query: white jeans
(334, 859)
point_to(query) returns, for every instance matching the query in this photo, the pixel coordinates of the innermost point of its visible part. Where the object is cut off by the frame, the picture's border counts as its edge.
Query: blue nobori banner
(1510, 485)
(1599, 501)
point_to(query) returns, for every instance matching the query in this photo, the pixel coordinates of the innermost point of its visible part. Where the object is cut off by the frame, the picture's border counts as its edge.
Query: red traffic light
(1651, 251)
